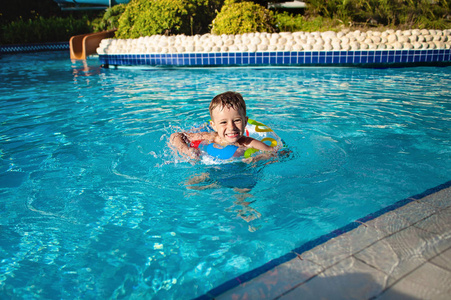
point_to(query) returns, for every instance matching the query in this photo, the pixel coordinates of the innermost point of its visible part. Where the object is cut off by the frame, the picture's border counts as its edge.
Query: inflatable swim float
(254, 129)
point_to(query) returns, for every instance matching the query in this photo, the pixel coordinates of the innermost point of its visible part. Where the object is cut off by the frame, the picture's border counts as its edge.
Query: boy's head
(228, 100)
(228, 116)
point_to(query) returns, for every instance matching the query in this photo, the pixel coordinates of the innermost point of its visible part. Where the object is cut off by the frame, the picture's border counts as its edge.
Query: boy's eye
(238, 120)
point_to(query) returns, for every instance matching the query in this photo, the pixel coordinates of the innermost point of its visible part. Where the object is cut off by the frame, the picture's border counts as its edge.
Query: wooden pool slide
(81, 46)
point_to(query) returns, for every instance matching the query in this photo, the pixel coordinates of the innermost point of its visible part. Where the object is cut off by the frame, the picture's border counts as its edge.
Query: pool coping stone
(303, 271)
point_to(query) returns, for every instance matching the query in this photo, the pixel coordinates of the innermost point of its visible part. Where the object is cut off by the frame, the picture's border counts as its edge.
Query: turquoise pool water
(94, 205)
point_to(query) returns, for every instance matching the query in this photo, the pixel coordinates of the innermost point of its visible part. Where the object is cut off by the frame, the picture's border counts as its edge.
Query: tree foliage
(292, 23)
(27, 21)
(243, 17)
(110, 19)
(382, 12)
(28, 9)
(42, 29)
(144, 17)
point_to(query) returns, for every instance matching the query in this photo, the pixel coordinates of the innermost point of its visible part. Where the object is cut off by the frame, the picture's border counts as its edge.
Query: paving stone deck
(403, 254)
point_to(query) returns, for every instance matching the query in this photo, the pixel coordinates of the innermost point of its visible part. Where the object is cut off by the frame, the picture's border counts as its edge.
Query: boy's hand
(180, 141)
(193, 153)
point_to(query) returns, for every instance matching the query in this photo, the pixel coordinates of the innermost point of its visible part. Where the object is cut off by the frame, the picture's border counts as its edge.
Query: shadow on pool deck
(402, 254)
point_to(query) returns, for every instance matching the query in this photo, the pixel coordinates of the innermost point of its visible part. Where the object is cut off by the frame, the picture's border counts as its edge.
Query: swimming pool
(93, 203)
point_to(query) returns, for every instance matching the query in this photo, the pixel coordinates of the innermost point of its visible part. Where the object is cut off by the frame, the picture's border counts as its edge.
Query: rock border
(346, 40)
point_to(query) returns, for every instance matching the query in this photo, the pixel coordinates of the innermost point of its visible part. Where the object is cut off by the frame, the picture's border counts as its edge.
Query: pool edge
(338, 58)
(33, 47)
(297, 252)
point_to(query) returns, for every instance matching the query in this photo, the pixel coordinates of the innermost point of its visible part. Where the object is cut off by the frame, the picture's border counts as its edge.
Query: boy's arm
(270, 152)
(181, 141)
(260, 145)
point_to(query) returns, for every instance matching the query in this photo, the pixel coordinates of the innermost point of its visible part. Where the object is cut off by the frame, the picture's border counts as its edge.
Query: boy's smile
(229, 123)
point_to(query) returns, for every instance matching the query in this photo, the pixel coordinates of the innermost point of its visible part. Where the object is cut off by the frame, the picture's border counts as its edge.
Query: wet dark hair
(228, 99)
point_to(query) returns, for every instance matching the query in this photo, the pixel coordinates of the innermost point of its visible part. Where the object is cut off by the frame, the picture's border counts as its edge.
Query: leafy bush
(289, 22)
(204, 11)
(28, 9)
(144, 17)
(243, 17)
(110, 19)
(394, 13)
(425, 14)
(330, 9)
(41, 30)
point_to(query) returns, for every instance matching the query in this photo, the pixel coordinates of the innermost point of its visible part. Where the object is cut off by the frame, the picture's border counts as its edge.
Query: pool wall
(24, 48)
(371, 48)
(369, 58)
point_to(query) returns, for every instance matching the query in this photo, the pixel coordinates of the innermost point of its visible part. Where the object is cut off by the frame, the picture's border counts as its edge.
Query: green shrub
(243, 17)
(41, 30)
(144, 17)
(331, 9)
(204, 11)
(425, 14)
(28, 9)
(393, 13)
(288, 22)
(293, 23)
(110, 19)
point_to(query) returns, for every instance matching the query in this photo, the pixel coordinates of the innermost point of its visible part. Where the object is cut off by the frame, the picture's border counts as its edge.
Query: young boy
(228, 120)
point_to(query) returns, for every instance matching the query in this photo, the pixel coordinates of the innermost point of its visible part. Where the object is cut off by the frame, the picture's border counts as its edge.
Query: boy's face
(229, 123)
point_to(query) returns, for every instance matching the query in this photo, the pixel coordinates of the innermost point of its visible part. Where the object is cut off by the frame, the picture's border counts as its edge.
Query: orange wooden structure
(81, 46)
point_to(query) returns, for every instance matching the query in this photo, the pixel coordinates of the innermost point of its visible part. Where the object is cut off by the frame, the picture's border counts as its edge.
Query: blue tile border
(215, 292)
(24, 48)
(282, 58)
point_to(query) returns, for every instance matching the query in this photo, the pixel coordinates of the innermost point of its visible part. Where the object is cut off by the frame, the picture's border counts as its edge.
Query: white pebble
(285, 41)
(252, 48)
